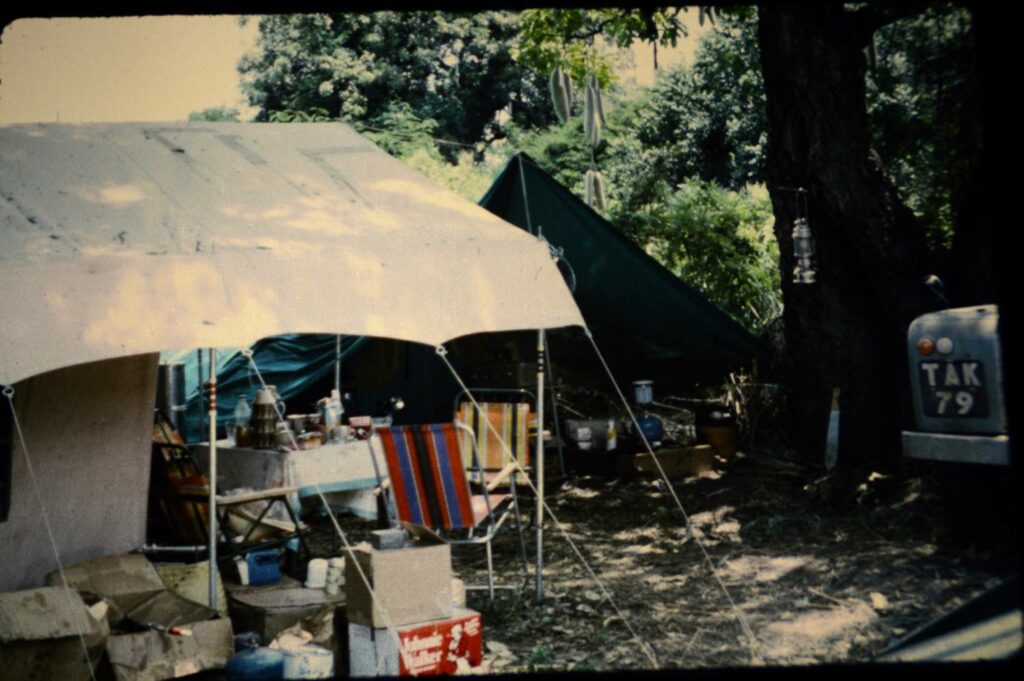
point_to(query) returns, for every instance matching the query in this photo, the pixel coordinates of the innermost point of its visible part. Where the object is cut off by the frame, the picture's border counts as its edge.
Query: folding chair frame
(493, 520)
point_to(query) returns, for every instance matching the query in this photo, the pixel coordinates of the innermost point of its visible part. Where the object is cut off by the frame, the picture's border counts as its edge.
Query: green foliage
(709, 120)
(466, 177)
(292, 116)
(399, 131)
(717, 240)
(920, 107)
(540, 655)
(216, 114)
(455, 69)
(567, 37)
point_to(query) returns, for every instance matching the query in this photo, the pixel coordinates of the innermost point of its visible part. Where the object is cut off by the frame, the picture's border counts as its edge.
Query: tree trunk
(848, 330)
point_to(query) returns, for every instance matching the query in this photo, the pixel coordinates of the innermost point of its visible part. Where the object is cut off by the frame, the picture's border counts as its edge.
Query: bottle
(243, 414)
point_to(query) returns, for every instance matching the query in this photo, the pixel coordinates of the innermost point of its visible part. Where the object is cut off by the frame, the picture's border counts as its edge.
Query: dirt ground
(794, 582)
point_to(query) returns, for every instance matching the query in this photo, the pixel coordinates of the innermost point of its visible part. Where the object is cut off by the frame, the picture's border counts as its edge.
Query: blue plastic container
(652, 428)
(264, 567)
(255, 664)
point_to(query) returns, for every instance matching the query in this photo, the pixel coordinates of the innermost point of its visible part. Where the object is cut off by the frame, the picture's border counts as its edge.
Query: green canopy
(637, 309)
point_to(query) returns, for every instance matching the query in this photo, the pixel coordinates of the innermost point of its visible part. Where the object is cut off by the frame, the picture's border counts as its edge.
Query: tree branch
(867, 19)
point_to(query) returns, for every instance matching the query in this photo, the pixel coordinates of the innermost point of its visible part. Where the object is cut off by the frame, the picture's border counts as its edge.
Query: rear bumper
(993, 450)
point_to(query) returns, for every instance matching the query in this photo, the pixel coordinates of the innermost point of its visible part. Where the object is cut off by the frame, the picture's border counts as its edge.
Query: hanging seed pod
(599, 199)
(589, 115)
(598, 99)
(559, 97)
(567, 84)
(591, 118)
(595, 195)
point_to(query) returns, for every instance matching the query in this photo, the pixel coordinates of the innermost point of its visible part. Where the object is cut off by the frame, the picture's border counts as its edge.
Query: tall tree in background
(848, 330)
(455, 69)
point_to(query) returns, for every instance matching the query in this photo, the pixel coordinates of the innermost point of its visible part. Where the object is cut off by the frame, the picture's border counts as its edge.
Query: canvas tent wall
(649, 323)
(88, 429)
(121, 241)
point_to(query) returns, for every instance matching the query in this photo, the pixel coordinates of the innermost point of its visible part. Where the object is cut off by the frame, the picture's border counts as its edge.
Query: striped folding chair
(495, 448)
(429, 487)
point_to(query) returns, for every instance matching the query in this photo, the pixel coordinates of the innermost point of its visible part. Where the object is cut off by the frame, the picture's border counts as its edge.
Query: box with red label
(432, 648)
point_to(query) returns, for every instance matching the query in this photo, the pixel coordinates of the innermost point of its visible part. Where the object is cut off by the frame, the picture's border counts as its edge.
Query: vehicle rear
(956, 382)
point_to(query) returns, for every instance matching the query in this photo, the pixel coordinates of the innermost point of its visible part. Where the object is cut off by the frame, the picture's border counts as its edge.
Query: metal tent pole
(540, 465)
(199, 388)
(337, 364)
(212, 473)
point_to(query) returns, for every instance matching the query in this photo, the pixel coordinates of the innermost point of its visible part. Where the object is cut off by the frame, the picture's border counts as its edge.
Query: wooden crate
(677, 462)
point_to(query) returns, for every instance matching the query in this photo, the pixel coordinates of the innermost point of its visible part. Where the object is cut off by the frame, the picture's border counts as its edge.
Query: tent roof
(629, 300)
(128, 238)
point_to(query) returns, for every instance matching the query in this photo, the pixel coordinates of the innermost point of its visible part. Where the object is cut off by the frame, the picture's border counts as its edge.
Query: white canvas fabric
(123, 239)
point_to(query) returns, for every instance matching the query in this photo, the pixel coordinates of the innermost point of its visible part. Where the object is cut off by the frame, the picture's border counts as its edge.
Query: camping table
(343, 470)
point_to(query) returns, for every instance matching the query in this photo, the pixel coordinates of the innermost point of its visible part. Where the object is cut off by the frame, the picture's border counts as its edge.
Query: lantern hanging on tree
(805, 271)
(803, 252)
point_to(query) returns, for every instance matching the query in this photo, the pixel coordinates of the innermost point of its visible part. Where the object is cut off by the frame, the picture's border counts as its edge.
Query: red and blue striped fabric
(427, 478)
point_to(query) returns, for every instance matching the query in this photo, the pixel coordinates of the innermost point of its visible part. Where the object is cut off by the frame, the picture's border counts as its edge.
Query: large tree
(848, 329)
(455, 69)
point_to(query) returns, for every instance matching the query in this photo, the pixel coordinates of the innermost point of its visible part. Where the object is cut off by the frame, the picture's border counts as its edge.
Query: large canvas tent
(649, 322)
(119, 241)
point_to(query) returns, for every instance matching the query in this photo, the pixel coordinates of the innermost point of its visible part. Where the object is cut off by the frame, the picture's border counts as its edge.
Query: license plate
(953, 388)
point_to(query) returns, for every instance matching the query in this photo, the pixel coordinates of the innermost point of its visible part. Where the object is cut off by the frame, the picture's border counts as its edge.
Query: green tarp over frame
(637, 310)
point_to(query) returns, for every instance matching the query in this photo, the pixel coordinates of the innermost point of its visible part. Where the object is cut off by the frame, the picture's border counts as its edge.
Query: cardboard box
(154, 656)
(413, 584)
(432, 648)
(124, 580)
(270, 610)
(39, 635)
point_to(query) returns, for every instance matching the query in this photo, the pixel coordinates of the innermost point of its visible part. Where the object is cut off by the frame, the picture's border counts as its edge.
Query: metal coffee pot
(265, 414)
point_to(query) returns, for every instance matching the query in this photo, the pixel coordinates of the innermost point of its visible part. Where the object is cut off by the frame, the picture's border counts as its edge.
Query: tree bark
(848, 330)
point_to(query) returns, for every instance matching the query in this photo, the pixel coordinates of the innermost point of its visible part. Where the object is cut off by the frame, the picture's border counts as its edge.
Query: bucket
(643, 392)
(308, 662)
(717, 428)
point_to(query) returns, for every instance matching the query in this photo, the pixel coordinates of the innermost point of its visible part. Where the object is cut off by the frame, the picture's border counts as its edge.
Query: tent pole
(212, 473)
(337, 364)
(540, 465)
(199, 388)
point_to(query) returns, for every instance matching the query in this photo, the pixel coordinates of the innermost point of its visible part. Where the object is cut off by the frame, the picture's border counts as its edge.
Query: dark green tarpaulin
(293, 363)
(637, 309)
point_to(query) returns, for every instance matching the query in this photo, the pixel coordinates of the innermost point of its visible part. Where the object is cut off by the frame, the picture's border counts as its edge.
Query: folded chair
(429, 487)
(182, 493)
(495, 448)
(174, 481)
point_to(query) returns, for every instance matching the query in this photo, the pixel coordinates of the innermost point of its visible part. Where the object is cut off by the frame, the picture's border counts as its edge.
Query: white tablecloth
(344, 472)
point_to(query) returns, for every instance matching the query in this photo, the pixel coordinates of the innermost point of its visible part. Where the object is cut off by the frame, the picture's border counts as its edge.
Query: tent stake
(213, 481)
(540, 465)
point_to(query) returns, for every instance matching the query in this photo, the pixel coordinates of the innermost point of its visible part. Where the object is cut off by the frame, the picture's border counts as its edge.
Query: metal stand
(212, 473)
(540, 465)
